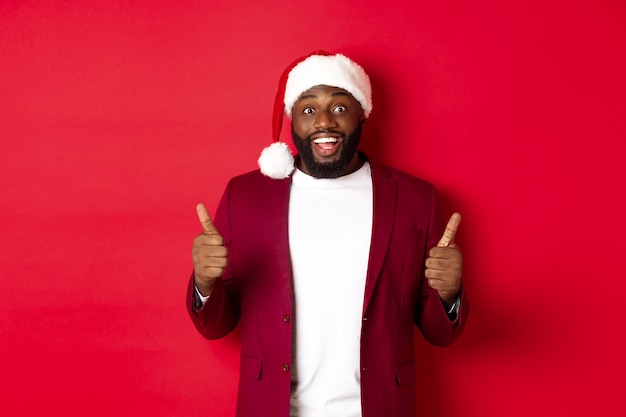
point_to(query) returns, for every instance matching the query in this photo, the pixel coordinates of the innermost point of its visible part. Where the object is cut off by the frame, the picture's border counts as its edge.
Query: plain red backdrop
(117, 117)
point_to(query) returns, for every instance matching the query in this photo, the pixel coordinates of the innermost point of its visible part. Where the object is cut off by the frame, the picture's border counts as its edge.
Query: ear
(362, 117)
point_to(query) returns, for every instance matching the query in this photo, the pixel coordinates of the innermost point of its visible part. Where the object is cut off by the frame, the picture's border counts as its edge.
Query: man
(327, 266)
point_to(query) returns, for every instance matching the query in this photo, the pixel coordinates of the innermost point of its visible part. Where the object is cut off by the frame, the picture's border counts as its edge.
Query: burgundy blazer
(256, 292)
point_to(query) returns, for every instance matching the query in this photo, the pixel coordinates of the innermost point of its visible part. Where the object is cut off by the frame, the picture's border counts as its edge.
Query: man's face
(326, 127)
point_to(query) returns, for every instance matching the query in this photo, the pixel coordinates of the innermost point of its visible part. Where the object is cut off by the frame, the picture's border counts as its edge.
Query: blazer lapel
(276, 209)
(385, 189)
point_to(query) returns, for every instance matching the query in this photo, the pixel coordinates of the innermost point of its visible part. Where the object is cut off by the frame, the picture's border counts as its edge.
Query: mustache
(326, 131)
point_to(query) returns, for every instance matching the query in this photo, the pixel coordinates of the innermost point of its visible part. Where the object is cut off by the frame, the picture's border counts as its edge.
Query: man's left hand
(445, 263)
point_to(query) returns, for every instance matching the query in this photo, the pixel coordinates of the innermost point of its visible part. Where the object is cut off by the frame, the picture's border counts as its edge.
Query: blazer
(256, 292)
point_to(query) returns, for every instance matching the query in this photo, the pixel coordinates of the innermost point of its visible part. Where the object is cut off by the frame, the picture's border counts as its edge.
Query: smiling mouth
(326, 143)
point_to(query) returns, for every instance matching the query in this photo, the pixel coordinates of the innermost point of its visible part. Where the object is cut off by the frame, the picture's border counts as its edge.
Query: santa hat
(317, 68)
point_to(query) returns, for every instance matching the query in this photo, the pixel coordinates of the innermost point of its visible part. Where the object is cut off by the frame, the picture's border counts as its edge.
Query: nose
(324, 120)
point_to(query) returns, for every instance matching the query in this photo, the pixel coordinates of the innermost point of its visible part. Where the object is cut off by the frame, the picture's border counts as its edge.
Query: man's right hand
(209, 253)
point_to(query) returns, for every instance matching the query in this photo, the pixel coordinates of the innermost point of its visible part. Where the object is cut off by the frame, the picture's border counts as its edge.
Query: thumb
(205, 220)
(448, 235)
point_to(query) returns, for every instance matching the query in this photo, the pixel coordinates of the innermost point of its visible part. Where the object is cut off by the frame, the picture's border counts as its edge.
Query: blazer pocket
(405, 373)
(251, 368)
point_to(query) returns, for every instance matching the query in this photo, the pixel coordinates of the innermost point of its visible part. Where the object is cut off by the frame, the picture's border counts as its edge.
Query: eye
(308, 110)
(340, 109)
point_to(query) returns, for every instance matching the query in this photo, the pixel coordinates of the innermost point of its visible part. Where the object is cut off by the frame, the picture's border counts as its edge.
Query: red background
(116, 118)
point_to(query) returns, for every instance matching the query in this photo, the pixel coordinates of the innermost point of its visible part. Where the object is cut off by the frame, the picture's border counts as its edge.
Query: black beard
(335, 169)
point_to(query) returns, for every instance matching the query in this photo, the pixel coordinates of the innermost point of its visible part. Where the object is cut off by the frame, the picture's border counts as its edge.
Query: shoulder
(252, 188)
(416, 200)
(382, 173)
(255, 179)
(251, 177)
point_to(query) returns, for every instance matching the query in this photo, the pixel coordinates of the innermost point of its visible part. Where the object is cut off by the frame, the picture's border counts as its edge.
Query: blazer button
(286, 318)
(286, 367)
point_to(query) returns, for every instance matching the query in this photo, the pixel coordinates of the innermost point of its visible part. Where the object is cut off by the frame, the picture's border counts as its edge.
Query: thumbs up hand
(445, 263)
(209, 253)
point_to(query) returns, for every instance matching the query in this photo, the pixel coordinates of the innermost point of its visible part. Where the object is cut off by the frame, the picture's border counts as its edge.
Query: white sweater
(330, 228)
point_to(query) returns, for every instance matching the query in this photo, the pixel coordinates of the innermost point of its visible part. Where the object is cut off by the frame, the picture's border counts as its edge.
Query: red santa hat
(317, 68)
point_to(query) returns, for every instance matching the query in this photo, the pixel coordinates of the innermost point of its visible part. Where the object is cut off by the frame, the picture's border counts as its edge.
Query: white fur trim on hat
(333, 71)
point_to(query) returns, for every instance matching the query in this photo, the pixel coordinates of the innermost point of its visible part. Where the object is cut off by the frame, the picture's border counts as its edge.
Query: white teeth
(325, 140)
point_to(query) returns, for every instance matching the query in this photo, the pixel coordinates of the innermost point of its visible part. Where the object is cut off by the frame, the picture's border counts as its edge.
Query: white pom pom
(276, 161)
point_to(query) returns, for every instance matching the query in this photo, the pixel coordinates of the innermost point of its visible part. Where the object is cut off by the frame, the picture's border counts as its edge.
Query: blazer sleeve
(221, 312)
(431, 315)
